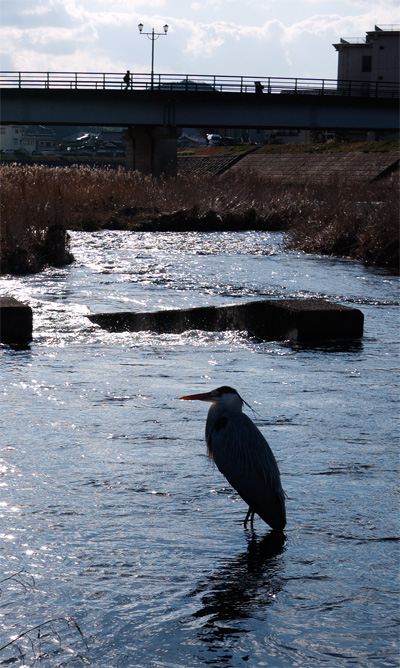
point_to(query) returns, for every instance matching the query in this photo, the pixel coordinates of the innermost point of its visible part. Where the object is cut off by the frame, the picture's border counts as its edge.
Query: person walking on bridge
(127, 79)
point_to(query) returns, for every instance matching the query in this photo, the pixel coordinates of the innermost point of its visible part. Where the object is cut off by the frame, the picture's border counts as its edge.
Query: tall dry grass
(346, 220)
(39, 204)
(32, 218)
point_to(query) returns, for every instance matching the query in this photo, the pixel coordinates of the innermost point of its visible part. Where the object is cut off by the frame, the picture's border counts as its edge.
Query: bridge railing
(201, 83)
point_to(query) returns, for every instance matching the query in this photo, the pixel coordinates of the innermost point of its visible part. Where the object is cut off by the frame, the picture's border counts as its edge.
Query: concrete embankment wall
(299, 167)
(206, 164)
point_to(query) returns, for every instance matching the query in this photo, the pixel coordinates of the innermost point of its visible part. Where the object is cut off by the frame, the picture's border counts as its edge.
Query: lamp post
(153, 36)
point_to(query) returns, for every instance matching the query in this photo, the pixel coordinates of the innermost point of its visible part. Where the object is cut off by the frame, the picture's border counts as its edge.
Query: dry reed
(346, 220)
(32, 219)
(39, 204)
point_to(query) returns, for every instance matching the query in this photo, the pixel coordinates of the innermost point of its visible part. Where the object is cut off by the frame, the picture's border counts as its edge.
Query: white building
(30, 139)
(10, 137)
(370, 59)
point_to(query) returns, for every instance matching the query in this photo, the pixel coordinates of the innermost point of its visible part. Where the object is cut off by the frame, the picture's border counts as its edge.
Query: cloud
(341, 26)
(314, 25)
(40, 9)
(131, 6)
(101, 35)
(80, 60)
(205, 39)
(201, 44)
(18, 37)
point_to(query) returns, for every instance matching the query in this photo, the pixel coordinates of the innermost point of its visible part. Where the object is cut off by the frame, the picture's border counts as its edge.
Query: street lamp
(153, 36)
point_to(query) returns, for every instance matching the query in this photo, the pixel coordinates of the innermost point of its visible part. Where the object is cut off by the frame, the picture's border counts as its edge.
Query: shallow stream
(112, 521)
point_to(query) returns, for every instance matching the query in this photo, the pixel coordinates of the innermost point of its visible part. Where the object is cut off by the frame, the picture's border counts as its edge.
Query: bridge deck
(195, 82)
(190, 108)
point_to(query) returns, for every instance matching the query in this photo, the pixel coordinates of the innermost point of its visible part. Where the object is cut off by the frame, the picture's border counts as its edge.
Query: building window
(366, 64)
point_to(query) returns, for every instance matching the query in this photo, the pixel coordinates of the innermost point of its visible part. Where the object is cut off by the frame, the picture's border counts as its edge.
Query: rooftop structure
(372, 58)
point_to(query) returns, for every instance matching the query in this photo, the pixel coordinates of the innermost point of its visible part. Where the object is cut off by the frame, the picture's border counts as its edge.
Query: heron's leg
(250, 515)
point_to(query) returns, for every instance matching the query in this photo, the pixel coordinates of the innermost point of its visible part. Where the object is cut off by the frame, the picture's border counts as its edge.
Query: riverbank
(39, 204)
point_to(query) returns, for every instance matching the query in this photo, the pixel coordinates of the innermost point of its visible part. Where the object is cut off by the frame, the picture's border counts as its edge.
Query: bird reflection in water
(241, 588)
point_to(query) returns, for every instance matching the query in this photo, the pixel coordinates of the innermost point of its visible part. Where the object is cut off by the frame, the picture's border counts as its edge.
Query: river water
(121, 542)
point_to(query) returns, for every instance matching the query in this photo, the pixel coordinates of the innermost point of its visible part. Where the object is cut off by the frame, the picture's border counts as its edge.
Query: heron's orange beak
(206, 396)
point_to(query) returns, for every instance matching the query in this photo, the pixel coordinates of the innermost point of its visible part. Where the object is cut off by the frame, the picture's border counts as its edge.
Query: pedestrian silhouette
(259, 87)
(127, 79)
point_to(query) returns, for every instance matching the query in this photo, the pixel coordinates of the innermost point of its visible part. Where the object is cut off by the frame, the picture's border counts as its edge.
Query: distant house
(110, 135)
(31, 139)
(38, 139)
(83, 143)
(190, 141)
(10, 137)
(105, 143)
(110, 143)
(79, 138)
(370, 59)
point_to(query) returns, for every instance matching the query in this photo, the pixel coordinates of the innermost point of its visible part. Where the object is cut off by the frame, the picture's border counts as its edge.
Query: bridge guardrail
(202, 83)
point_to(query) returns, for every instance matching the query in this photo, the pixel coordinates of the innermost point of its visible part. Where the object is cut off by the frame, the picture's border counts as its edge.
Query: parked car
(228, 141)
(214, 140)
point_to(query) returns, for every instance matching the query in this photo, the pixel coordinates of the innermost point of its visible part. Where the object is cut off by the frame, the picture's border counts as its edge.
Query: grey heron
(243, 456)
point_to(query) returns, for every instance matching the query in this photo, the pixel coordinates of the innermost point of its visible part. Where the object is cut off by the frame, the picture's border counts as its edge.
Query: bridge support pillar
(151, 149)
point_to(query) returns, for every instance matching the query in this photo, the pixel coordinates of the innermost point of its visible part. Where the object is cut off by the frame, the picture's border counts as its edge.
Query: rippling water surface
(113, 523)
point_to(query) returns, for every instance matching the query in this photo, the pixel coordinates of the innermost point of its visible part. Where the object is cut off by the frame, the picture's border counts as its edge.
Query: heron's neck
(215, 412)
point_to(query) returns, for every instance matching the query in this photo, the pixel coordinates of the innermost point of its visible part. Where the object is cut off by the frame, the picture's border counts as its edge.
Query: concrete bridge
(154, 110)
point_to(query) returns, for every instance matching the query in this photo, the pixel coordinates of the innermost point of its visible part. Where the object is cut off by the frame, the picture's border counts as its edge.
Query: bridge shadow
(240, 589)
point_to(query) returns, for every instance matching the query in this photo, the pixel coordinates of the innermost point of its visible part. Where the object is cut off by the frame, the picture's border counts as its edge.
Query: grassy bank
(39, 204)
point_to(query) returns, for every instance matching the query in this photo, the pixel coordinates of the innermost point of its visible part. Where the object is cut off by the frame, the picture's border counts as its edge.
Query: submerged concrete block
(270, 319)
(16, 321)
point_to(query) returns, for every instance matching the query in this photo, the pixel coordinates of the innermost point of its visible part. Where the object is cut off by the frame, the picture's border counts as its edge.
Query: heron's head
(222, 395)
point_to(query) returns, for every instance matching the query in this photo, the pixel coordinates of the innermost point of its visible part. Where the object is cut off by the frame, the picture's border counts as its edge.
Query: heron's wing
(244, 457)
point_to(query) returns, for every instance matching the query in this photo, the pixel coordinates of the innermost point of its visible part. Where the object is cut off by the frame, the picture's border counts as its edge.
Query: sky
(257, 38)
